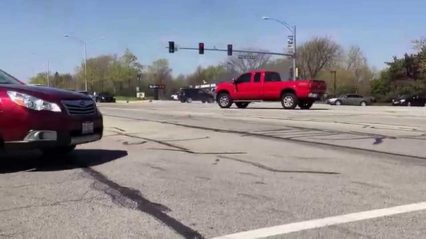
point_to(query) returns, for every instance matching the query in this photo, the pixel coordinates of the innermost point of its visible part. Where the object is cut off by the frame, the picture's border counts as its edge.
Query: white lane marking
(324, 222)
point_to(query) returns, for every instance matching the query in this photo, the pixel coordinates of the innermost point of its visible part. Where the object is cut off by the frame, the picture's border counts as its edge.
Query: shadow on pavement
(274, 108)
(34, 161)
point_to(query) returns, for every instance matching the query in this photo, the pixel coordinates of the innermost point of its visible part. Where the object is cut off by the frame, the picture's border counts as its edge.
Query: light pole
(292, 29)
(85, 57)
(48, 72)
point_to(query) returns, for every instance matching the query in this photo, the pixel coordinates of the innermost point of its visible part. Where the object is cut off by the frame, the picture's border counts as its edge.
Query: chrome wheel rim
(288, 101)
(224, 100)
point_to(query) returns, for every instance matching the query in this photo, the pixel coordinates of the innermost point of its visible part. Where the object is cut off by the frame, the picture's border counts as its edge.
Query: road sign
(251, 57)
(156, 86)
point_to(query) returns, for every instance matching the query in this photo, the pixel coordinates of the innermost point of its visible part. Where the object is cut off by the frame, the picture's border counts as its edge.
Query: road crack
(129, 197)
(261, 166)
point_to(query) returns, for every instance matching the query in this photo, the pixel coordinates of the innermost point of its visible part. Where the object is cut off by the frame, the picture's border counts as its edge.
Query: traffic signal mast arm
(237, 51)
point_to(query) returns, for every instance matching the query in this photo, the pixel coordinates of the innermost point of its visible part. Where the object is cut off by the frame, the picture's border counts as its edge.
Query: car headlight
(32, 102)
(402, 101)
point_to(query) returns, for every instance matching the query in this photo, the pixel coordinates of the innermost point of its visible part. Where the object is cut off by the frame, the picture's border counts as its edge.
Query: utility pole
(334, 82)
(48, 73)
(84, 43)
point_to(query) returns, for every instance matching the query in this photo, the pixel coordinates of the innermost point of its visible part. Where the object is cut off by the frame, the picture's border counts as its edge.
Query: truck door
(256, 87)
(242, 86)
(271, 86)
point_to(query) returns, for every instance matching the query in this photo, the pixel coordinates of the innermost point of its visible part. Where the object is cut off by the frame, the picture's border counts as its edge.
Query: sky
(33, 31)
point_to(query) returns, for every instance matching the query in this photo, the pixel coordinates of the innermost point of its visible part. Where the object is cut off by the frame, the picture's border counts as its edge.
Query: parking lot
(177, 170)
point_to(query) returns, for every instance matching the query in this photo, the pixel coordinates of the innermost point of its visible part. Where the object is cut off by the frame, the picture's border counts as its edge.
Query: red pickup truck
(261, 85)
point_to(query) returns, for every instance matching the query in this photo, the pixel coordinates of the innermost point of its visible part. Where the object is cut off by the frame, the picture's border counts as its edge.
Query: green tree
(39, 79)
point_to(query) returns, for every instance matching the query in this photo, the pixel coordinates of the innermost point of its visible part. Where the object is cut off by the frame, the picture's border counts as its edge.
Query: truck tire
(224, 100)
(242, 105)
(305, 105)
(289, 101)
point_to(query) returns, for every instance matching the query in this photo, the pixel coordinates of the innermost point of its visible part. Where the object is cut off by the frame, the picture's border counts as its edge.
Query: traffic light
(229, 49)
(201, 48)
(171, 46)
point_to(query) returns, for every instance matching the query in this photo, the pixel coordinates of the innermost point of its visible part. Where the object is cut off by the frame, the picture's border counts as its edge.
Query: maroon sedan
(52, 120)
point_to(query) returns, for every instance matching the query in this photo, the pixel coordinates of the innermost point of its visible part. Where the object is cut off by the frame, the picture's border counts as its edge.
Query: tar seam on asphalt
(300, 141)
(175, 147)
(261, 166)
(143, 204)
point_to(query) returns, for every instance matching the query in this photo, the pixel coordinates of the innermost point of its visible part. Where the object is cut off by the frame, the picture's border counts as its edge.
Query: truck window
(257, 77)
(245, 78)
(272, 77)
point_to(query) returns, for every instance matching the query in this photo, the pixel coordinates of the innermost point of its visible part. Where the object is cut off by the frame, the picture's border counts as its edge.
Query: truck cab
(262, 85)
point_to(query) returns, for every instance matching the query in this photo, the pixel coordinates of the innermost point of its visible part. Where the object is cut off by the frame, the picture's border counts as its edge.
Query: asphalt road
(173, 170)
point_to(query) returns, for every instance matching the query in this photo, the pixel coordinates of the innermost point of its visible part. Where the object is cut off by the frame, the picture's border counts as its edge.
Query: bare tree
(355, 58)
(248, 61)
(419, 44)
(317, 54)
(356, 63)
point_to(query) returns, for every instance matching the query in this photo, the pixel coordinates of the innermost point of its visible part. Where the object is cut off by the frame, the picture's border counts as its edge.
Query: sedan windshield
(8, 79)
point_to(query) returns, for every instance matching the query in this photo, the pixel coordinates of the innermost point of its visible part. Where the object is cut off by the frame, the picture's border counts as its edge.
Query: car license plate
(88, 128)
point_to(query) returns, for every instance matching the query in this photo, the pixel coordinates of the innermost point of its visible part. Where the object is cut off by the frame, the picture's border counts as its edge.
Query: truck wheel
(61, 150)
(242, 105)
(188, 100)
(305, 105)
(224, 100)
(289, 101)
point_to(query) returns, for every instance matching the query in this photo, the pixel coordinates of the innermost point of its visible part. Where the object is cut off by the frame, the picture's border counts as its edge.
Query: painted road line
(324, 222)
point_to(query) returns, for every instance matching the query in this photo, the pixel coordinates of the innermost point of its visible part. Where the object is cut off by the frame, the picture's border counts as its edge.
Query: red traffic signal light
(229, 49)
(201, 48)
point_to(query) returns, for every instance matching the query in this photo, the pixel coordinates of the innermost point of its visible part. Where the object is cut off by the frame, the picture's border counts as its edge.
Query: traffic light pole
(294, 54)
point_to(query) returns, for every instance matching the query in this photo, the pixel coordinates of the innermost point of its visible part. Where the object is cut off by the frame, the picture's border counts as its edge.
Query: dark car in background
(105, 97)
(351, 99)
(409, 100)
(193, 94)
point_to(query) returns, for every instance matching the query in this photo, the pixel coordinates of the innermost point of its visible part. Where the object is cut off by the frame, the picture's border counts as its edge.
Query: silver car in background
(351, 99)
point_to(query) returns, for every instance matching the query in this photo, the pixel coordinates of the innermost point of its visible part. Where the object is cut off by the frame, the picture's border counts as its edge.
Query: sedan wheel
(363, 103)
